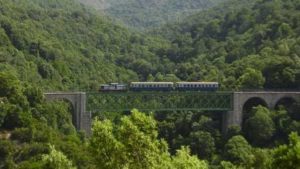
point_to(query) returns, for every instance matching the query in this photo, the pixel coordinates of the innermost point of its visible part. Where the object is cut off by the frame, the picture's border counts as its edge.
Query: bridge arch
(253, 102)
(249, 104)
(71, 109)
(286, 101)
(240, 99)
(80, 118)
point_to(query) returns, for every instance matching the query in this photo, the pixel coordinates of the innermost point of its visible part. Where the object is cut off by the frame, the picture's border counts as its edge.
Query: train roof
(197, 83)
(152, 83)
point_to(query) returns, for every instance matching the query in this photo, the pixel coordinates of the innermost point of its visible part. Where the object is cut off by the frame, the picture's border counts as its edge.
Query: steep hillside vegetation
(244, 44)
(61, 45)
(144, 14)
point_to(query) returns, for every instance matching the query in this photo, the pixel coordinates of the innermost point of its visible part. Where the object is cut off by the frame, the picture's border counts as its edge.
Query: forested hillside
(145, 14)
(61, 45)
(243, 44)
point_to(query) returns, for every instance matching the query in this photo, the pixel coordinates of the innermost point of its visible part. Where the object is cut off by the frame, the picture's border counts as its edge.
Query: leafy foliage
(61, 45)
(56, 160)
(287, 156)
(242, 44)
(133, 144)
(261, 121)
(145, 14)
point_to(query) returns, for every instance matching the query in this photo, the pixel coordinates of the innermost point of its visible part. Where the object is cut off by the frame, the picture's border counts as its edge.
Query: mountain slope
(150, 13)
(62, 45)
(239, 43)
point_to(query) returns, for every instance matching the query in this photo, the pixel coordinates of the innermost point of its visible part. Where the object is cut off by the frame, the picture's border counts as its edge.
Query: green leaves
(56, 160)
(134, 144)
(238, 151)
(288, 156)
(183, 160)
(259, 128)
(251, 79)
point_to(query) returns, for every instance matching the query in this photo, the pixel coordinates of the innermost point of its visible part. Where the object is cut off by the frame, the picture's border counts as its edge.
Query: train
(160, 86)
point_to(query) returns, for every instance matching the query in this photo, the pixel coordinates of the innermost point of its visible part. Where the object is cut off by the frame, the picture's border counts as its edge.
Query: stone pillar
(234, 117)
(86, 123)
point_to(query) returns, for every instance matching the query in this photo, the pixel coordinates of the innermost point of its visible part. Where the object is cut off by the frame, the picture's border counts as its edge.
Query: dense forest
(48, 45)
(253, 46)
(145, 14)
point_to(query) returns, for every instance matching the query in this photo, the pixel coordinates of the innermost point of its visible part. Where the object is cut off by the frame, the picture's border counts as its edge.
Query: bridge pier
(82, 120)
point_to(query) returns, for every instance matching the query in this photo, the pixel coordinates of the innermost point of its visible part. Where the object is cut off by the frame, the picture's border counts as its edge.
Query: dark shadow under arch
(71, 109)
(286, 102)
(249, 104)
(290, 105)
(253, 102)
(248, 107)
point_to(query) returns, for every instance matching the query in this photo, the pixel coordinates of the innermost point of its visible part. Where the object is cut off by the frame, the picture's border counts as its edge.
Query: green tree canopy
(259, 128)
(238, 151)
(288, 156)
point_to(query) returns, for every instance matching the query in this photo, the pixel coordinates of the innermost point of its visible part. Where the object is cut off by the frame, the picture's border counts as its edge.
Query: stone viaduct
(82, 118)
(265, 98)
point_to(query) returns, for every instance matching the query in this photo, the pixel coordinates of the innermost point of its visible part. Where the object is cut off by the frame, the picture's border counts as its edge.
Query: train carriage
(196, 86)
(113, 87)
(151, 86)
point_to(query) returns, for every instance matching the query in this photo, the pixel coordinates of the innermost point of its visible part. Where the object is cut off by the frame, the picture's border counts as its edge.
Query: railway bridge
(231, 104)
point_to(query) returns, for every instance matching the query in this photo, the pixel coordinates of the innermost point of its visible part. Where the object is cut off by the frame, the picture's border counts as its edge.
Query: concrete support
(82, 120)
(235, 117)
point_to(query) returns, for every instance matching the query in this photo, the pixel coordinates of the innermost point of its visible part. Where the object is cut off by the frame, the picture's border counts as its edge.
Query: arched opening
(253, 102)
(65, 114)
(247, 128)
(249, 104)
(290, 105)
(71, 111)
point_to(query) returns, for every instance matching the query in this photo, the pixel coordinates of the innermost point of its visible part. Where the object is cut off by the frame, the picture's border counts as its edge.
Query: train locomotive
(161, 86)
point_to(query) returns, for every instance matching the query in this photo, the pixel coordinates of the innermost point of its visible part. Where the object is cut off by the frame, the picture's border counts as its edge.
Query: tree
(133, 144)
(56, 160)
(183, 160)
(287, 156)
(238, 151)
(10, 87)
(202, 143)
(262, 122)
(251, 79)
(105, 146)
